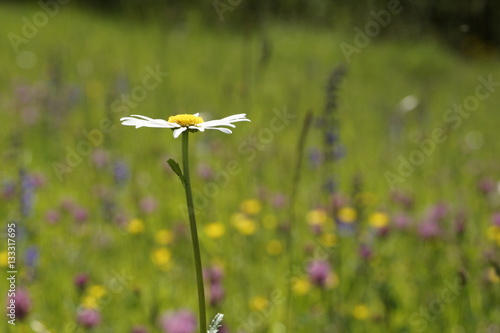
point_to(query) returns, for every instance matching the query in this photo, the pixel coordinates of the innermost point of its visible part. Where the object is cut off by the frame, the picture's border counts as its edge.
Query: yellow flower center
(185, 120)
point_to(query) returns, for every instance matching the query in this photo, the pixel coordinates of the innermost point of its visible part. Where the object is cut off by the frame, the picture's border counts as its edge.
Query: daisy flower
(185, 122)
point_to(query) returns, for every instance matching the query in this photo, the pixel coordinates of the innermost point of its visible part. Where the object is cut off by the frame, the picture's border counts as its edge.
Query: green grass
(219, 73)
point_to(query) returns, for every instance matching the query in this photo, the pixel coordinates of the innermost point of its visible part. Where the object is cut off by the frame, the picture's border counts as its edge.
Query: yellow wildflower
(243, 224)
(493, 234)
(90, 302)
(251, 206)
(379, 220)
(301, 286)
(361, 312)
(258, 303)
(164, 237)
(274, 247)
(93, 295)
(135, 226)
(328, 239)
(4, 259)
(347, 214)
(316, 217)
(215, 230)
(97, 291)
(162, 258)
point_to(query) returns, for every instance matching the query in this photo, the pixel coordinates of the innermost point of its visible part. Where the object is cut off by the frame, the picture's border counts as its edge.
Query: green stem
(194, 232)
(295, 185)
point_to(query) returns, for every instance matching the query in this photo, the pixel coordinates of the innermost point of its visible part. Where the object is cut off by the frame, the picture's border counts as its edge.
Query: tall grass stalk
(293, 196)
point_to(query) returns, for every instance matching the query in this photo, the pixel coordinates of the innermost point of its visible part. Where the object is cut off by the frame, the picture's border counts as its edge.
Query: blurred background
(363, 196)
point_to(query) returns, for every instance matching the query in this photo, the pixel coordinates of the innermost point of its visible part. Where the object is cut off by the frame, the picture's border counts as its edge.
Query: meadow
(380, 214)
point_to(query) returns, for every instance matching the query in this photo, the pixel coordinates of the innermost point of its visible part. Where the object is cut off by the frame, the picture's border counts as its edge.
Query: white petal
(143, 121)
(128, 118)
(197, 128)
(140, 123)
(226, 121)
(236, 117)
(211, 123)
(178, 131)
(196, 114)
(222, 129)
(139, 116)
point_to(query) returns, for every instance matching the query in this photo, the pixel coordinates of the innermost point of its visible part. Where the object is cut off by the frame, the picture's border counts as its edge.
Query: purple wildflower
(81, 281)
(316, 229)
(148, 204)
(315, 158)
(223, 328)
(330, 185)
(120, 172)
(100, 158)
(8, 189)
(88, 318)
(80, 214)
(339, 152)
(32, 256)
(18, 305)
(384, 231)
(365, 252)
(205, 171)
(331, 137)
(216, 294)
(182, 321)
(121, 219)
(339, 201)
(438, 212)
(27, 193)
(319, 272)
(68, 204)
(214, 274)
(279, 200)
(429, 229)
(52, 216)
(486, 185)
(402, 199)
(401, 221)
(25, 94)
(38, 180)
